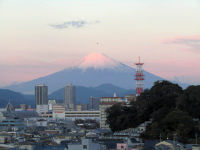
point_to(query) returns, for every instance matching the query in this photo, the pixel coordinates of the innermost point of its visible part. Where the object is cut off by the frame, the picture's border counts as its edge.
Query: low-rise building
(94, 103)
(130, 98)
(58, 111)
(122, 146)
(2, 116)
(4, 138)
(50, 104)
(41, 122)
(81, 107)
(196, 147)
(73, 115)
(105, 103)
(40, 109)
(86, 144)
(23, 106)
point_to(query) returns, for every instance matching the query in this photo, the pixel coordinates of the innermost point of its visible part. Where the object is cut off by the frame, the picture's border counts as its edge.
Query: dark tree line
(172, 110)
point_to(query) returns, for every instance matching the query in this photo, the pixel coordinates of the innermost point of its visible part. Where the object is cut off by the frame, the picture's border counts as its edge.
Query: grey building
(41, 98)
(69, 96)
(41, 94)
(94, 103)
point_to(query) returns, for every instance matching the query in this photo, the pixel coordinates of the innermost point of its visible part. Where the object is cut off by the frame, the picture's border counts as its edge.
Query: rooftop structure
(10, 108)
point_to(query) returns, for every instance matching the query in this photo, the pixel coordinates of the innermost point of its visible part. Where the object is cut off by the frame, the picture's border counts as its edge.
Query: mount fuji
(91, 71)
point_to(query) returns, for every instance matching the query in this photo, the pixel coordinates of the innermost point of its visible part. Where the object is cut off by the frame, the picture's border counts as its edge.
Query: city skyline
(42, 37)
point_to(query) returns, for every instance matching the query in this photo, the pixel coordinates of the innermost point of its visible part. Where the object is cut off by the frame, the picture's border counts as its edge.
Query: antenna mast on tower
(139, 77)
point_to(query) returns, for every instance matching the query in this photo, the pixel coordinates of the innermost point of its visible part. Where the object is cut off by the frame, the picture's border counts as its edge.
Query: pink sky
(40, 37)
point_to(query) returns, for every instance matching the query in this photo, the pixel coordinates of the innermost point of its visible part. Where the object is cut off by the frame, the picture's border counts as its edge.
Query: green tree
(171, 109)
(113, 119)
(190, 101)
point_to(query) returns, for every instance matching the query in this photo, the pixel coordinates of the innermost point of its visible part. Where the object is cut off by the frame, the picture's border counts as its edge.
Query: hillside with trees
(173, 111)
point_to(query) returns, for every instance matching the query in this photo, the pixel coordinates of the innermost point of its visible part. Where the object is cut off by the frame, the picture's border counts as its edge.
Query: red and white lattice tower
(139, 77)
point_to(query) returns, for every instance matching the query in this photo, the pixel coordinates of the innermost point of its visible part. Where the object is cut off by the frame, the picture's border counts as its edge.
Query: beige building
(105, 103)
(78, 107)
(130, 98)
(73, 115)
(24, 106)
(58, 111)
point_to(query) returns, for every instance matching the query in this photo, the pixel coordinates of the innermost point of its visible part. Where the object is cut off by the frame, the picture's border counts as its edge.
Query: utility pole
(160, 137)
(174, 141)
(196, 135)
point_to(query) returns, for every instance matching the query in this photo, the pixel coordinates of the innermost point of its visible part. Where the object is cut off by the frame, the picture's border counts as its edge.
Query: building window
(84, 146)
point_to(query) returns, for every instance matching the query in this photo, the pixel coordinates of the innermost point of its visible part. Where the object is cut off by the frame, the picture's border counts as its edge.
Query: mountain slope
(14, 98)
(93, 70)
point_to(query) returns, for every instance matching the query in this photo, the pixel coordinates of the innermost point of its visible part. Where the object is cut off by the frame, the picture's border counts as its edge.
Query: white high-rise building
(69, 96)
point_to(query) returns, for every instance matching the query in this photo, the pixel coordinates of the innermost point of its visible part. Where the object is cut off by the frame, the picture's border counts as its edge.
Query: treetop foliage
(172, 110)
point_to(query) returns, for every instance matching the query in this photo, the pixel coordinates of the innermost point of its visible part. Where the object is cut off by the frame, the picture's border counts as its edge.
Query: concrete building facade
(51, 103)
(94, 103)
(69, 96)
(40, 109)
(41, 94)
(105, 103)
(73, 115)
(41, 98)
(58, 111)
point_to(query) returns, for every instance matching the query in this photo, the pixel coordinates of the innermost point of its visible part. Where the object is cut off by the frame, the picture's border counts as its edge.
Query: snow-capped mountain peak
(97, 61)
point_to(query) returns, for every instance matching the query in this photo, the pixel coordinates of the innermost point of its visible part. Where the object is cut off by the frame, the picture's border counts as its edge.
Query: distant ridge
(14, 98)
(91, 71)
(82, 95)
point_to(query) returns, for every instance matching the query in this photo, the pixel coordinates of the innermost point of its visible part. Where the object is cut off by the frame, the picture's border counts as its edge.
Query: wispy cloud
(191, 41)
(73, 24)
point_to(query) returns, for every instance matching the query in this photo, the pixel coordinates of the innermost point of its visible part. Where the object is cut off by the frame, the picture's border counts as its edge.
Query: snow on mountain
(91, 71)
(97, 61)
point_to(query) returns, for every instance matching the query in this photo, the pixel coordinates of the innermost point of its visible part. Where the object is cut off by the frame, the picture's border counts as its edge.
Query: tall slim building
(69, 96)
(41, 98)
(41, 94)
